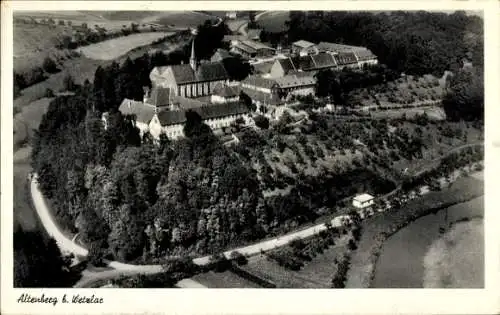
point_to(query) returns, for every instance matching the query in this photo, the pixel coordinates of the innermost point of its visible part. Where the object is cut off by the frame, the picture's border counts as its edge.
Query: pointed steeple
(192, 60)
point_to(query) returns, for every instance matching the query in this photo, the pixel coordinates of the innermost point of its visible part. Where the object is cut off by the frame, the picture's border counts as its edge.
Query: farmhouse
(216, 116)
(304, 48)
(363, 55)
(297, 84)
(225, 94)
(261, 90)
(363, 201)
(251, 49)
(190, 80)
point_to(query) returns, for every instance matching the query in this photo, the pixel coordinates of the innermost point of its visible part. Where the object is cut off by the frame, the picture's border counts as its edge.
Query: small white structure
(362, 201)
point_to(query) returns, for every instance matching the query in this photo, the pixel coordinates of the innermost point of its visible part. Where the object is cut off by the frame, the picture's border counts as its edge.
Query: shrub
(49, 93)
(262, 122)
(49, 65)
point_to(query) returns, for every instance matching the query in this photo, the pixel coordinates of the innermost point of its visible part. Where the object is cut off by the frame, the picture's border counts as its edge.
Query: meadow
(116, 47)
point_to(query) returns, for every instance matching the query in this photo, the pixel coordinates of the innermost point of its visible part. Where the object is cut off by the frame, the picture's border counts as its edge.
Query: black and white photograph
(264, 149)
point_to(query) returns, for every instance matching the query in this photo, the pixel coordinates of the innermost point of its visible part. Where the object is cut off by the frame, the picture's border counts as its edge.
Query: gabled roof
(258, 81)
(323, 60)
(245, 48)
(364, 54)
(337, 48)
(224, 90)
(345, 58)
(293, 80)
(183, 73)
(159, 96)
(286, 64)
(262, 97)
(255, 45)
(263, 67)
(211, 71)
(303, 44)
(304, 63)
(143, 113)
(186, 103)
(167, 118)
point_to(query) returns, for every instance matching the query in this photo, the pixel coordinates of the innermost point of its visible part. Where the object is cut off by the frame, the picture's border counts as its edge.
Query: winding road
(68, 246)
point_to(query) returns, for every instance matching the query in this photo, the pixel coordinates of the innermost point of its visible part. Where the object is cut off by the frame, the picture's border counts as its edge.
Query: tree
(262, 122)
(465, 98)
(49, 65)
(38, 263)
(68, 83)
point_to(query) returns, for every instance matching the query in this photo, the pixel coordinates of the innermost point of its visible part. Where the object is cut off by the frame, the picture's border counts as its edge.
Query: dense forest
(131, 199)
(414, 42)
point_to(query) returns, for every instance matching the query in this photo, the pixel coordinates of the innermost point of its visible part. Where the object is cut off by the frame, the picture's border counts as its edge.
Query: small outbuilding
(363, 201)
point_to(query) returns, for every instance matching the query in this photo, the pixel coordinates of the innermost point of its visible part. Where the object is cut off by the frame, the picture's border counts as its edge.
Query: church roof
(167, 118)
(142, 112)
(183, 73)
(211, 71)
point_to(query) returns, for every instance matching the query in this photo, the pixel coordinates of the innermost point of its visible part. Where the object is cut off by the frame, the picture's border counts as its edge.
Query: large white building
(363, 201)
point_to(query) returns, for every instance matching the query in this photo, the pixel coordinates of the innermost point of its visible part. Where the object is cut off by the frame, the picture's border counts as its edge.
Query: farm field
(178, 19)
(457, 259)
(116, 47)
(226, 279)
(433, 112)
(419, 256)
(273, 21)
(361, 267)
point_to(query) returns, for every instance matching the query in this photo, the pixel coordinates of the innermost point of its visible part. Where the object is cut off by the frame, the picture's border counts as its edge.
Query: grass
(226, 279)
(274, 21)
(457, 259)
(361, 271)
(116, 47)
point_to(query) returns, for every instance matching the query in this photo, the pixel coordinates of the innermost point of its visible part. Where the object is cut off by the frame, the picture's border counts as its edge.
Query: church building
(190, 80)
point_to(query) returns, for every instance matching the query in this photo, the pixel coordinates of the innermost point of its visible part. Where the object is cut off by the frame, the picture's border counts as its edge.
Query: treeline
(130, 199)
(337, 85)
(465, 96)
(411, 42)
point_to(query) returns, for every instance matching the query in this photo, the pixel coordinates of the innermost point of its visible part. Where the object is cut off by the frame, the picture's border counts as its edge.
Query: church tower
(192, 60)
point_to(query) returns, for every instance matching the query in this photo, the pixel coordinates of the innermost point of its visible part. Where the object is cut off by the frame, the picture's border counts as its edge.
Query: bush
(262, 122)
(49, 65)
(49, 93)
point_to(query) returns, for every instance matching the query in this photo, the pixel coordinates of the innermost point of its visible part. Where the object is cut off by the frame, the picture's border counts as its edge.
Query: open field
(457, 259)
(226, 279)
(116, 47)
(361, 266)
(28, 119)
(178, 19)
(418, 255)
(274, 21)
